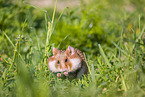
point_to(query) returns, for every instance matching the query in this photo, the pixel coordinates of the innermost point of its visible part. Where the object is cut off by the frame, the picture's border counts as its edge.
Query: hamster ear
(55, 51)
(70, 51)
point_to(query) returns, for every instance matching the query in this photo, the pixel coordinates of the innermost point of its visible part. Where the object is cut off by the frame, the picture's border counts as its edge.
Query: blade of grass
(87, 63)
(119, 48)
(27, 3)
(54, 12)
(15, 47)
(93, 74)
(49, 32)
(104, 56)
(9, 39)
(59, 17)
(123, 83)
(4, 59)
(62, 40)
(141, 33)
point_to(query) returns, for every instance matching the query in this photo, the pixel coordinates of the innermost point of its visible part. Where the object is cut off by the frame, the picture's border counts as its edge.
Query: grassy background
(110, 32)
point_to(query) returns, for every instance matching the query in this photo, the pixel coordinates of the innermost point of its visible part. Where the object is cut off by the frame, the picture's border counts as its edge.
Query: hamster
(69, 63)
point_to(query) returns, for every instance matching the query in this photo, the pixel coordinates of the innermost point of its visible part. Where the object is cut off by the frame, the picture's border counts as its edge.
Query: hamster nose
(64, 69)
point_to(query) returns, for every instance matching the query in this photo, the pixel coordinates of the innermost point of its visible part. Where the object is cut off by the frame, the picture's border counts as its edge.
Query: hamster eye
(65, 60)
(58, 62)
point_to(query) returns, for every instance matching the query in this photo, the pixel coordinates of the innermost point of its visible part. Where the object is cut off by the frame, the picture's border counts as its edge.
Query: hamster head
(57, 62)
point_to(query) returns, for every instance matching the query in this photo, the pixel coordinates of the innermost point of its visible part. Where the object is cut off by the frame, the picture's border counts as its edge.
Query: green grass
(116, 64)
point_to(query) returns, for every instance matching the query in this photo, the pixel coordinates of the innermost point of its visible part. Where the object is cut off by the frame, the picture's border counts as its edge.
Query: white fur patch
(76, 63)
(53, 68)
